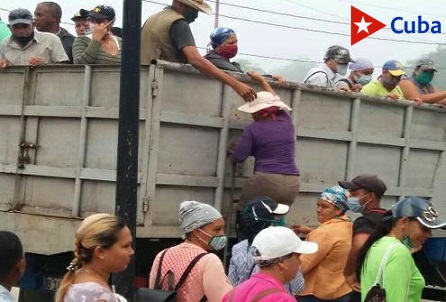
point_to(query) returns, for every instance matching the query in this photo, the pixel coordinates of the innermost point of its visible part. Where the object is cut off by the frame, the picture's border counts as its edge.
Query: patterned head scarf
(336, 196)
(194, 214)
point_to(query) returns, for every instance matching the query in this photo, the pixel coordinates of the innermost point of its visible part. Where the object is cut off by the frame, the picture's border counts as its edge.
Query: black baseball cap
(263, 207)
(368, 182)
(80, 15)
(100, 12)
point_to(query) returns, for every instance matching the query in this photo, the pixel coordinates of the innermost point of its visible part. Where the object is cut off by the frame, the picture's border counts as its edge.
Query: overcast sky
(286, 40)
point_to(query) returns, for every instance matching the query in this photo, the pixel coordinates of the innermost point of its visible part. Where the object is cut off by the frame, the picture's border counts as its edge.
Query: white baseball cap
(277, 241)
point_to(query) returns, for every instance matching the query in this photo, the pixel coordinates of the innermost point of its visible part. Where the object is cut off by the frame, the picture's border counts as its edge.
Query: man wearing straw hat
(167, 36)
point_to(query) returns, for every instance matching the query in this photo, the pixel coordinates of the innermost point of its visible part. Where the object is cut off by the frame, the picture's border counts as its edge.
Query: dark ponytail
(383, 228)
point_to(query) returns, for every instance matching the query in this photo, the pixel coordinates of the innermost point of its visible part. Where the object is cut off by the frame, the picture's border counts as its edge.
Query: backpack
(157, 294)
(319, 71)
(377, 293)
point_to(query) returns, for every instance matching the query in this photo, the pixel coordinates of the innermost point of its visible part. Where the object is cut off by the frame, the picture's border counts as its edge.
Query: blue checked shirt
(241, 267)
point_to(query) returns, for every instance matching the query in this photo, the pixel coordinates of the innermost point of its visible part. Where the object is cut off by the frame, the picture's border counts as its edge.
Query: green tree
(295, 71)
(247, 65)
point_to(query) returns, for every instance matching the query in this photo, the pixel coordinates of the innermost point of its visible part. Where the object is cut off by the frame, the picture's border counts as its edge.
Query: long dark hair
(383, 228)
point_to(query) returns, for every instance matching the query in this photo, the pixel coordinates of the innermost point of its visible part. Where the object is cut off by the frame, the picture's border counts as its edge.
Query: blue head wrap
(219, 35)
(336, 196)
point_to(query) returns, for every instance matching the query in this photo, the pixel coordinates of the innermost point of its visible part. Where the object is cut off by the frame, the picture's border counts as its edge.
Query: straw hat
(264, 100)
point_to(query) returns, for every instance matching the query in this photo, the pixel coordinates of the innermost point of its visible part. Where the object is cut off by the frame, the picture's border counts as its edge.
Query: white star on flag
(363, 26)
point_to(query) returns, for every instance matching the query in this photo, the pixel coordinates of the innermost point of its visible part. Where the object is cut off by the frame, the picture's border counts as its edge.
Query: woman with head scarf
(102, 245)
(203, 228)
(271, 140)
(101, 46)
(276, 250)
(360, 75)
(403, 230)
(323, 270)
(223, 47)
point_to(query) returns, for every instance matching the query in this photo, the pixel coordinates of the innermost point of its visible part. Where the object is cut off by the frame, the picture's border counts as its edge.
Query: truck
(58, 156)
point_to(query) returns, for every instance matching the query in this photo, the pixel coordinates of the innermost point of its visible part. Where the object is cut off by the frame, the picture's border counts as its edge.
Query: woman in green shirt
(402, 232)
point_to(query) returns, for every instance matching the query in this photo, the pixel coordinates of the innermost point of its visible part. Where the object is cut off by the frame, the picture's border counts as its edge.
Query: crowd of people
(271, 264)
(339, 260)
(32, 40)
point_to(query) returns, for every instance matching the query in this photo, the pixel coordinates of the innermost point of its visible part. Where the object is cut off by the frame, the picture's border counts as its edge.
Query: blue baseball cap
(394, 67)
(421, 209)
(337, 196)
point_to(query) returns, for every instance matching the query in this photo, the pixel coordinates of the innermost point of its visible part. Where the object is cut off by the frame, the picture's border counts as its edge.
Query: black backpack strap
(319, 71)
(158, 284)
(188, 270)
(347, 82)
(251, 270)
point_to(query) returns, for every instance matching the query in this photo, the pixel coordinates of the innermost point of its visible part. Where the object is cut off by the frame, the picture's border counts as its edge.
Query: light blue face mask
(216, 243)
(363, 79)
(355, 206)
(341, 69)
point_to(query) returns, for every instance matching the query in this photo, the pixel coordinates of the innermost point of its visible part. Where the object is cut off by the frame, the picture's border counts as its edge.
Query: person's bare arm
(410, 91)
(195, 59)
(262, 81)
(358, 242)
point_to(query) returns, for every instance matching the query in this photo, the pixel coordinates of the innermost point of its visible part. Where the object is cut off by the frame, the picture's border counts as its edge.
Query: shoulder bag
(157, 294)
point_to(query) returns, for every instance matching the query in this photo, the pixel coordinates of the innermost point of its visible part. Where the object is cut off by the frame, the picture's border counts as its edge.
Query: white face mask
(341, 68)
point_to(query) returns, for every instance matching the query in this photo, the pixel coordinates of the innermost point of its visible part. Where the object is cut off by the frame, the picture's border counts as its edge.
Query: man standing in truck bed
(167, 36)
(365, 192)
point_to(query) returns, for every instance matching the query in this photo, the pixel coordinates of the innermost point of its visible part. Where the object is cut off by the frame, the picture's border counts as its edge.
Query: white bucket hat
(198, 4)
(264, 100)
(276, 241)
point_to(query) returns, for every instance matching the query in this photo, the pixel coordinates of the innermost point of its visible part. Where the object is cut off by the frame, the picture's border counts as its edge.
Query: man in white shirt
(326, 74)
(12, 264)
(27, 46)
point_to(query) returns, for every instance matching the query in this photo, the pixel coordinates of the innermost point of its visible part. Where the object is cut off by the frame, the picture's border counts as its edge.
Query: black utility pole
(127, 165)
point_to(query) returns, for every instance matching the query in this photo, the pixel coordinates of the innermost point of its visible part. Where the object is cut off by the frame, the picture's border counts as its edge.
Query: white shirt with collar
(322, 76)
(5, 295)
